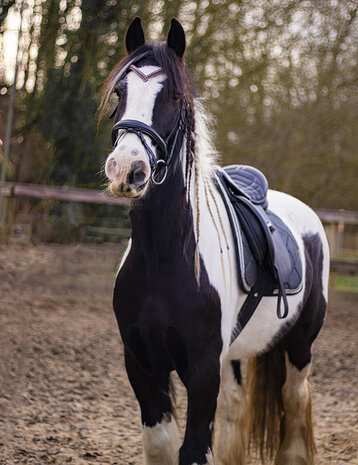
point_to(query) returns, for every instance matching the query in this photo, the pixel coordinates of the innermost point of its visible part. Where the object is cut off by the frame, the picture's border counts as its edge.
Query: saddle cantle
(249, 181)
(267, 254)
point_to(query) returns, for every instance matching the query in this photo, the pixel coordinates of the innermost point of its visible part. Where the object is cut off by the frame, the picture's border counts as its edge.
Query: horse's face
(143, 97)
(128, 167)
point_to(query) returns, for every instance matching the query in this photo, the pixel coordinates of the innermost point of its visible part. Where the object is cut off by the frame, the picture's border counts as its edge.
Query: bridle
(167, 148)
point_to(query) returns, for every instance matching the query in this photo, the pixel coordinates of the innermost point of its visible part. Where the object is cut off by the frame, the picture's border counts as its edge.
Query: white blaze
(141, 96)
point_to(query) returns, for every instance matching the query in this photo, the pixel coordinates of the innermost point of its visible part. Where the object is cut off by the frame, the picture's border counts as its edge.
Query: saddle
(267, 253)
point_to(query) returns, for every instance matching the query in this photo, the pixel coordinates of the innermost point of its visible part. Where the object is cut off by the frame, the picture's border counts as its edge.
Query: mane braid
(205, 158)
(190, 148)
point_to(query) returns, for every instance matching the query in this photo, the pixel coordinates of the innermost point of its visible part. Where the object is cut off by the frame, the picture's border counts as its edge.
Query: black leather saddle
(268, 257)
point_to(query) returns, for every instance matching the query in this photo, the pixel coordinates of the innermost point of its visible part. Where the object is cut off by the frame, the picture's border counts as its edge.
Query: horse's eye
(120, 88)
(113, 113)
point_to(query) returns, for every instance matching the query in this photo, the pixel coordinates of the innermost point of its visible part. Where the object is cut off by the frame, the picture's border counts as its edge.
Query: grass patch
(345, 283)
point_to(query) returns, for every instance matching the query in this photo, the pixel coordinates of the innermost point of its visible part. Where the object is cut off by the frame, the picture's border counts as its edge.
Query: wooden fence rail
(337, 216)
(345, 266)
(334, 220)
(76, 194)
(73, 194)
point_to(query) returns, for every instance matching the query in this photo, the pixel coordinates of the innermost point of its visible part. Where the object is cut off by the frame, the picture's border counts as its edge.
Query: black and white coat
(171, 319)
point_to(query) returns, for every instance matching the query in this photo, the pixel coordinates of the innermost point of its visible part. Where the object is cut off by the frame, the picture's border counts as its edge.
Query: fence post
(331, 230)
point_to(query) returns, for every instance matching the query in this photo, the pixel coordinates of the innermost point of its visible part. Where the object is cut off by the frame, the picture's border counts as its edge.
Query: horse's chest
(162, 317)
(156, 301)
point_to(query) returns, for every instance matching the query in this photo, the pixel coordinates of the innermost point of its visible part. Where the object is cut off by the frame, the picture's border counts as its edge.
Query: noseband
(157, 164)
(167, 148)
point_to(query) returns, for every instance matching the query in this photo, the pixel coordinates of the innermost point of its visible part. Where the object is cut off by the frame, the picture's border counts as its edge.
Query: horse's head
(150, 119)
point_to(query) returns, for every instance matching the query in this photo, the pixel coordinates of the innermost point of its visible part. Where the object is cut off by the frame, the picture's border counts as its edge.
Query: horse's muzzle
(129, 185)
(127, 190)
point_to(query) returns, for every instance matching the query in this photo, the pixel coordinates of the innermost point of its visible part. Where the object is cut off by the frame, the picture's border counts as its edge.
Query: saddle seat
(250, 181)
(267, 254)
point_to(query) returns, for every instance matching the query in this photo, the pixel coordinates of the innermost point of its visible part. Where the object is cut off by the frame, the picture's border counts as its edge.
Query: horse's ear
(134, 36)
(176, 38)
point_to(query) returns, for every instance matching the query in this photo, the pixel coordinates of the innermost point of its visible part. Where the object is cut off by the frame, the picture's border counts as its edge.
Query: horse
(177, 294)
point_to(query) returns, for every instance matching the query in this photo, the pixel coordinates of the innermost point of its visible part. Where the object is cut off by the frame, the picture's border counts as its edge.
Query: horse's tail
(265, 378)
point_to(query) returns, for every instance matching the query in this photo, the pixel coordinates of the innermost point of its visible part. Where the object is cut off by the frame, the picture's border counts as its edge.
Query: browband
(134, 60)
(143, 76)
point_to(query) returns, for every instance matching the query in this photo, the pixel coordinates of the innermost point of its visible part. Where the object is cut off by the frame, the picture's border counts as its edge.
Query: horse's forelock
(111, 81)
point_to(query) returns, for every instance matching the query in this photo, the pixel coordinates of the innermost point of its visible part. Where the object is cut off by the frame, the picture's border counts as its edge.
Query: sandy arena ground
(64, 394)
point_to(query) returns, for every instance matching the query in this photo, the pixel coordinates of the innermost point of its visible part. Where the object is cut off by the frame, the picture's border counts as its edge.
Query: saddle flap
(267, 255)
(262, 239)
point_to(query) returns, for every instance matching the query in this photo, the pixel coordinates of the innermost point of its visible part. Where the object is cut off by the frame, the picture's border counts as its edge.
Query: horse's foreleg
(297, 445)
(231, 429)
(161, 440)
(202, 382)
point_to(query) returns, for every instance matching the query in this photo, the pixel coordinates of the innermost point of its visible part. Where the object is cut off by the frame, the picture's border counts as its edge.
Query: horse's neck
(164, 223)
(161, 222)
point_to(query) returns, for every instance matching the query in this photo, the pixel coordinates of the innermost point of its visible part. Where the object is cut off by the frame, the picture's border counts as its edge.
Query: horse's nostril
(137, 173)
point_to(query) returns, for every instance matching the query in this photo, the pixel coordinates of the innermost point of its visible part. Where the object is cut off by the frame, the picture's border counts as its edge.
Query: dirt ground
(64, 394)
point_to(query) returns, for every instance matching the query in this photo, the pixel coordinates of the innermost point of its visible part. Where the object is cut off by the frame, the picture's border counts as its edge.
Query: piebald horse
(176, 295)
